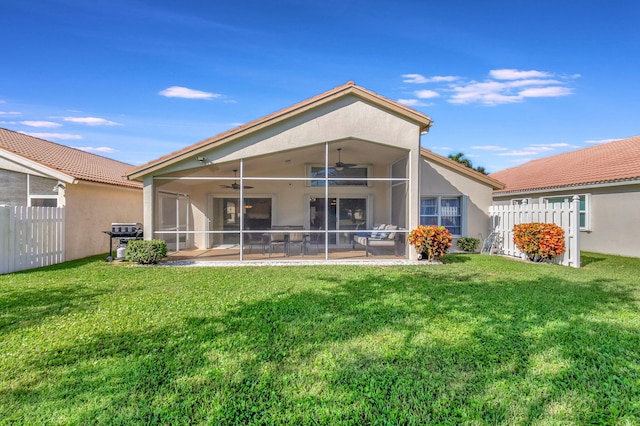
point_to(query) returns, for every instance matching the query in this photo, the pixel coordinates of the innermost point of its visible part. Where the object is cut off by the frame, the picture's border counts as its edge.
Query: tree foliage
(460, 158)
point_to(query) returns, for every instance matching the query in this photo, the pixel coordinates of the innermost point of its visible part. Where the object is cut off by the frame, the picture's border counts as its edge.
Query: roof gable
(277, 117)
(609, 162)
(64, 161)
(461, 168)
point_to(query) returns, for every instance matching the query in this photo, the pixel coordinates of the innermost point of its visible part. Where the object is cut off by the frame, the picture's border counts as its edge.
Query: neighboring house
(91, 188)
(607, 179)
(336, 165)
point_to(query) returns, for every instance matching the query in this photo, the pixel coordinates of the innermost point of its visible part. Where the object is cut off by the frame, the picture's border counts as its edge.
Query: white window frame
(369, 181)
(463, 210)
(41, 197)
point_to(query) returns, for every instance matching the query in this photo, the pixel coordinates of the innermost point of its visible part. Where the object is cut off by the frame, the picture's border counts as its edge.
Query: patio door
(226, 217)
(174, 219)
(344, 213)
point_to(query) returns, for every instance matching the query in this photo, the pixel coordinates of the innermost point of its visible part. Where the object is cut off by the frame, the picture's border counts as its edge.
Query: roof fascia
(40, 168)
(461, 168)
(578, 187)
(348, 89)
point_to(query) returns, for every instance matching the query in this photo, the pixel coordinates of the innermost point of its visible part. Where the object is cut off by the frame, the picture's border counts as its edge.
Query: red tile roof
(348, 88)
(70, 161)
(609, 162)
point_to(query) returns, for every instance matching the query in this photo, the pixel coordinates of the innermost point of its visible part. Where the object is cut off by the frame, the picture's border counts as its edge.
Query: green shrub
(539, 241)
(146, 252)
(430, 242)
(468, 244)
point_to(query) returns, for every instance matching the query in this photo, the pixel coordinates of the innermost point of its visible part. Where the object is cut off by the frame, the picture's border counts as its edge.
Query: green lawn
(478, 340)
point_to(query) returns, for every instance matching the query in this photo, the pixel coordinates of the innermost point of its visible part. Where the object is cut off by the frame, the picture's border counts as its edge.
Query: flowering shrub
(430, 242)
(539, 241)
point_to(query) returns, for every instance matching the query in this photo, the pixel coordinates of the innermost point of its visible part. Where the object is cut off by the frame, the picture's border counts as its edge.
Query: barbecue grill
(123, 232)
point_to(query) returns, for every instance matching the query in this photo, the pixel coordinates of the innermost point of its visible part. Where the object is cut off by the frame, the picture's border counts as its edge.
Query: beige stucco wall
(90, 209)
(348, 117)
(613, 223)
(437, 180)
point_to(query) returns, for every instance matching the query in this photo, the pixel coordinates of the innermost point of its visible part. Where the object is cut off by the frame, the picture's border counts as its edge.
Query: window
(359, 174)
(43, 201)
(569, 198)
(445, 211)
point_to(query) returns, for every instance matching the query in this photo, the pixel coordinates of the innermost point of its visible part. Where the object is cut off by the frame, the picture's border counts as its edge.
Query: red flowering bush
(430, 242)
(539, 241)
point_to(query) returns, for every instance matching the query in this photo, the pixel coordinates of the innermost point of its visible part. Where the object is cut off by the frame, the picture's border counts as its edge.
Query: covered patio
(309, 203)
(333, 177)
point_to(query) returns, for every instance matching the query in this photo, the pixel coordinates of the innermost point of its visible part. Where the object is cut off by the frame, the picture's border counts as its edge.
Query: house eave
(40, 168)
(575, 187)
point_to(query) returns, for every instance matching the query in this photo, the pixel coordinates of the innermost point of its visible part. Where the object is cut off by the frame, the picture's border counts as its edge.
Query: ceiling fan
(235, 185)
(340, 165)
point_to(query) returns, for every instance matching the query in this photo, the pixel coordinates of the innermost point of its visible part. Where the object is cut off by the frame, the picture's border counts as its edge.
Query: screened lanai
(315, 202)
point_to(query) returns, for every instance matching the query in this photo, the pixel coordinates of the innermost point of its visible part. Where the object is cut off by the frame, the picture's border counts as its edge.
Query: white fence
(566, 215)
(30, 237)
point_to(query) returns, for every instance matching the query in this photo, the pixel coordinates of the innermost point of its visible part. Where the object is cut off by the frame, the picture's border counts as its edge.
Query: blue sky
(504, 81)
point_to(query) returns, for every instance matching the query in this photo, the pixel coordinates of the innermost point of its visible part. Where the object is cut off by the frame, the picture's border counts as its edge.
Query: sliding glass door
(338, 214)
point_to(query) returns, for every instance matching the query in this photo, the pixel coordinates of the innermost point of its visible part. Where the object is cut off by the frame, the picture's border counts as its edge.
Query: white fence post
(566, 215)
(30, 237)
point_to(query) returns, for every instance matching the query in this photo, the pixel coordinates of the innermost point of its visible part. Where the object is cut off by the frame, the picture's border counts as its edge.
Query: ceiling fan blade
(340, 164)
(345, 165)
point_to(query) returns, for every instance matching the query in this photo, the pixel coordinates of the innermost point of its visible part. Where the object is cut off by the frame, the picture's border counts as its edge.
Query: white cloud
(599, 141)
(513, 74)
(518, 153)
(546, 92)
(420, 79)
(91, 121)
(99, 149)
(10, 113)
(486, 93)
(554, 145)
(60, 136)
(489, 147)
(412, 102)
(427, 94)
(186, 93)
(503, 86)
(46, 124)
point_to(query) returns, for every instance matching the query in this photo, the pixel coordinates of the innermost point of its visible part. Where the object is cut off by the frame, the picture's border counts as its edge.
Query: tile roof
(609, 162)
(78, 164)
(348, 88)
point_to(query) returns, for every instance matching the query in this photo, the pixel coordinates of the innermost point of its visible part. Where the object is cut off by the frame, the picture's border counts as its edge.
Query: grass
(479, 340)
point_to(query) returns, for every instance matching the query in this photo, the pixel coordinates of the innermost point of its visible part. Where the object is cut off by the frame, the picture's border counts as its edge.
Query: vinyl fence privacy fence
(30, 237)
(566, 215)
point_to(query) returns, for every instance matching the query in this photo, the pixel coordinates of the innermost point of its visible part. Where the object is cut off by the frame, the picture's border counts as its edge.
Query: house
(92, 189)
(336, 165)
(606, 177)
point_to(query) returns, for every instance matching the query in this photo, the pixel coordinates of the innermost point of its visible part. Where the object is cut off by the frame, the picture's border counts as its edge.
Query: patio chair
(277, 239)
(297, 239)
(317, 239)
(256, 238)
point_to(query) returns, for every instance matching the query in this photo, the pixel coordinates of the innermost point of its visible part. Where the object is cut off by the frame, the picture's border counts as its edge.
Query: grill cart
(123, 233)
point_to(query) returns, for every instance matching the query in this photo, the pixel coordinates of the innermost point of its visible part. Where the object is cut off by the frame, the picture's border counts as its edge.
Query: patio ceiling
(353, 151)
